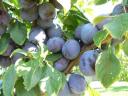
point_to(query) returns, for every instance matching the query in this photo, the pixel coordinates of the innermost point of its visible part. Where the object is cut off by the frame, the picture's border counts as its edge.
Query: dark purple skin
(55, 44)
(4, 17)
(45, 24)
(2, 29)
(77, 83)
(71, 49)
(61, 64)
(16, 57)
(88, 31)
(47, 11)
(37, 35)
(54, 31)
(27, 3)
(29, 14)
(5, 61)
(30, 47)
(78, 32)
(118, 9)
(87, 62)
(103, 22)
(9, 50)
(65, 91)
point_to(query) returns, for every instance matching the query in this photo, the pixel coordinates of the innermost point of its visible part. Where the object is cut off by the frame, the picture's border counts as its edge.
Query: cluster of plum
(50, 33)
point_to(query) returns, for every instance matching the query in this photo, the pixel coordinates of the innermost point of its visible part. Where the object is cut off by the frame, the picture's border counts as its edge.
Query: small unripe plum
(2, 29)
(55, 44)
(65, 91)
(30, 14)
(78, 31)
(47, 11)
(54, 31)
(61, 64)
(103, 22)
(45, 24)
(87, 33)
(27, 3)
(30, 47)
(5, 61)
(4, 17)
(37, 34)
(118, 9)
(16, 57)
(87, 62)
(71, 49)
(77, 83)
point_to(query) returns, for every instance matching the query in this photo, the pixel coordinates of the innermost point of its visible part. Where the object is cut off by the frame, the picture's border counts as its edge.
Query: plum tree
(45, 24)
(30, 14)
(77, 83)
(54, 31)
(118, 9)
(71, 49)
(55, 44)
(5, 61)
(78, 31)
(30, 47)
(47, 11)
(87, 62)
(27, 3)
(103, 22)
(65, 91)
(61, 64)
(87, 33)
(56, 4)
(37, 35)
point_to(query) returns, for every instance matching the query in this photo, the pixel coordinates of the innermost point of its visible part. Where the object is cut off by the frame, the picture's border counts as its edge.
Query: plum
(65, 91)
(118, 9)
(61, 64)
(29, 14)
(55, 44)
(4, 17)
(47, 11)
(71, 49)
(16, 57)
(77, 83)
(87, 33)
(87, 62)
(103, 22)
(56, 4)
(27, 3)
(2, 29)
(30, 47)
(37, 35)
(54, 31)
(78, 31)
(45, 24)
(9, 50)
(5, 61)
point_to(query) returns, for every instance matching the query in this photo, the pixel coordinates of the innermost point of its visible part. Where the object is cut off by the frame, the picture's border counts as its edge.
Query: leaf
(125, 46)
(66, 5)
(99, 2)
(53, 80)
(107, 67)
(93, 92)
(9, 80)
(4, 43)
(53, 57)
(20, 90)
(125, 2)
(118, 26)
(18, 32)
(99, 37)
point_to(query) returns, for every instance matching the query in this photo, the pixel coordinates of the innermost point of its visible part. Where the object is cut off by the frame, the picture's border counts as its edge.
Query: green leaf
(99, 2)
(125, 2)
(53, 57)
(18, 32)
(4, 43)
(125, 46)
(53, 80)
(9, 80)
(118, 26)
(20, 90)
(99, 37)
(107, 67)
(66, 5)
(92, 92)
